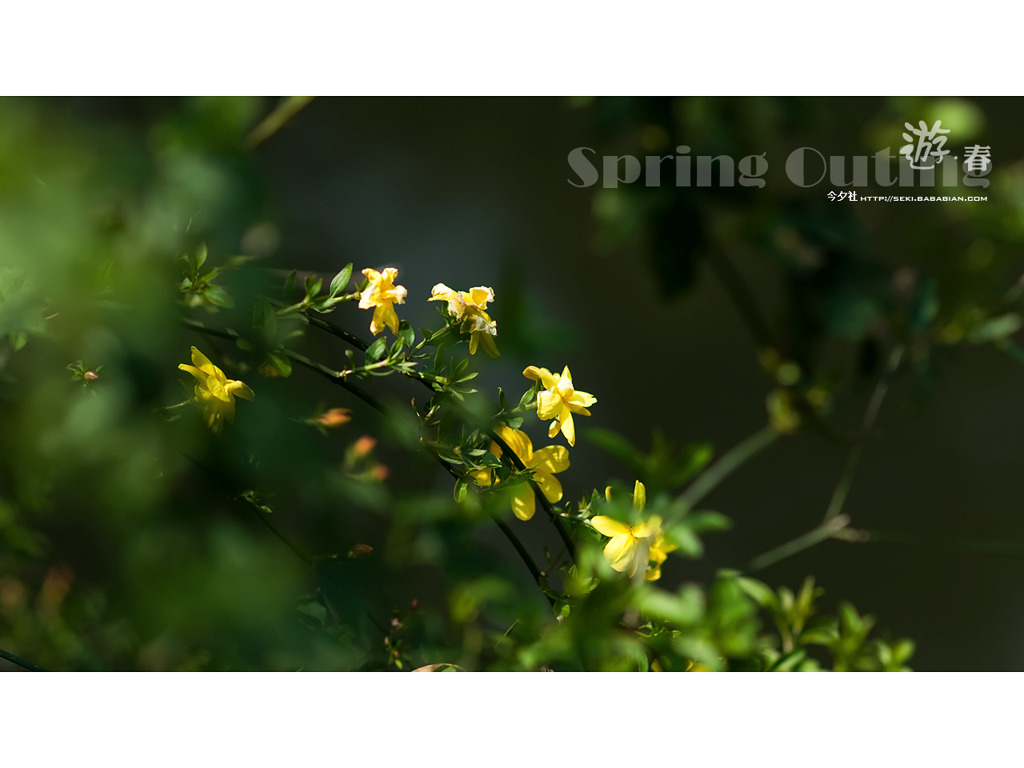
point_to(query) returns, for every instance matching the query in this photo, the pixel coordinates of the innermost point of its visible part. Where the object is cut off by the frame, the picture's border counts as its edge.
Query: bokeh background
(116, 552)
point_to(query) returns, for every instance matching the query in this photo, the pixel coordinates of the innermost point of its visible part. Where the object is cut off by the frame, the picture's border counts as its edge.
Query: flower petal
(548, 484)
(523, 503)
(201, 361)
(568, 428)
(518, 441)
(609, 526)
(548, 404)
(240, 389)
(639, 495)
(481, 477)
(440, 292)
(541, 374)
(581, 399)
(480, 295)
(621, 553)
(200, 375)
(553, 458)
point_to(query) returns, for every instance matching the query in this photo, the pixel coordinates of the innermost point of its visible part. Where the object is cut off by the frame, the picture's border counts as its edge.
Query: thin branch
(285, 110)
(828, 529)
(21, 662)
(835, 525)
(516, 461)
(867, 424)
(335, 376)
(726, 465)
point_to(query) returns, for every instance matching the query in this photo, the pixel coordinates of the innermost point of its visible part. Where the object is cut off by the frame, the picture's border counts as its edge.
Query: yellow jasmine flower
(559, 401)
(214, 390)
(544, 463)
(381, 294)
(632, 546)
(469, 308)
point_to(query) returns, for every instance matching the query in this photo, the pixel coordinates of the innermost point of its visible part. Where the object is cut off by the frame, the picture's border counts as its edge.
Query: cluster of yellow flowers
(629, 548)
(467, 307)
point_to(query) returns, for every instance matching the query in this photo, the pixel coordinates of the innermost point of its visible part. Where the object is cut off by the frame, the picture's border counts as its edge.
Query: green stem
(341, 333)
(867, 424)
(730, 462)
(285, 110)
(537, 492)
(21, 662)
(827, 529)
(835, 525)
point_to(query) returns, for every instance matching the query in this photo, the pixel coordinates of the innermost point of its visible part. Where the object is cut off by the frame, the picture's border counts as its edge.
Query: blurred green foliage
(307, 537)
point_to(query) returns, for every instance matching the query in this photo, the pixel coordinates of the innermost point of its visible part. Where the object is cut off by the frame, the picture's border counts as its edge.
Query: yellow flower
(632, 546)
(381, 294)
(214, 390)
(469, 308)
(544, 463)
(559, 401)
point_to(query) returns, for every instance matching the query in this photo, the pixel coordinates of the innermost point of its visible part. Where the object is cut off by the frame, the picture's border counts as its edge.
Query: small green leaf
(788, 662)
(461, 487)
(340, 281)
(18, 339)
(376, 350)
(687, 542)
(313, 286)
(760, 592)
(218, 296)
(995, 329)
(406, 334)
(281, 365)
(708, 522)
(289, 284)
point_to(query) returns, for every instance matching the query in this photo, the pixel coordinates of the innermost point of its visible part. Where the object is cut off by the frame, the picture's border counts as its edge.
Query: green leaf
(201, 254)
(692, 459)
(528, 395)
(18, 339)
(406, 334)
(616, 445)
(708, 522)
(686, 541)
(759, 592)
(461, 487)
(995, 329)
(289, 284)
(281, 365)
(788, 662)
(313, 286)
(376, 350)
(218, 296)
(490, 460)
(683, 609)
(340, 281)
